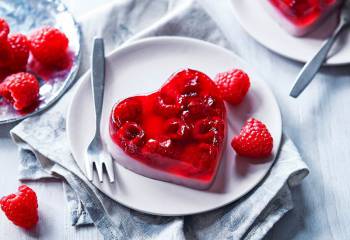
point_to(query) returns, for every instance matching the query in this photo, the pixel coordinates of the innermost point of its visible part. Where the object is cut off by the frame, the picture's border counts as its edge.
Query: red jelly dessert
(175, 134)
(299, 17)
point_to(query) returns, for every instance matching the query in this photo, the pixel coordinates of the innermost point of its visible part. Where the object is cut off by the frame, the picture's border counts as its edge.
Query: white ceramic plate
(143, 67)
(261, 26)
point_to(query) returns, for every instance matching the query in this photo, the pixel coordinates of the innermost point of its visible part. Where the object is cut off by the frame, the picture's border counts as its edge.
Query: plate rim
(69, 80)
(280, 53)
(84, 78)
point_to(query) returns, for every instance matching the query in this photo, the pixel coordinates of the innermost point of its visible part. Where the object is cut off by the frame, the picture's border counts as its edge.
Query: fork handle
(97, 79)
(310, 69)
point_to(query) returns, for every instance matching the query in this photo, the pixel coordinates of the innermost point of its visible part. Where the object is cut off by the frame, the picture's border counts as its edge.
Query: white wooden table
(318, 121)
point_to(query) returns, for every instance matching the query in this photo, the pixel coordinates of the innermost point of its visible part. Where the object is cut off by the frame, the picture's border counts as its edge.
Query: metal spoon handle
(97, 79)
(310, 69)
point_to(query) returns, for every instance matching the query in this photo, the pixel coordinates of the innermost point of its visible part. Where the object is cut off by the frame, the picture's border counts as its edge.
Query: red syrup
(180, 129)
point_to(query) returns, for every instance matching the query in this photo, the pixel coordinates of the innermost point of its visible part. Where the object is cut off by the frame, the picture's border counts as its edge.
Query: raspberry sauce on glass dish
(300, 17)
(175, 134)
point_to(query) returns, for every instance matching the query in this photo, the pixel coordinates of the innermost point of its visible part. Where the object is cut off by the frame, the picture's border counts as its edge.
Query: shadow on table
(5, 129)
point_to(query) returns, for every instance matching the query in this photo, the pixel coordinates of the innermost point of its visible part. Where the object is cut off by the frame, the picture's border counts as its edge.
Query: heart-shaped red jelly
(304, 12)
(177, 131)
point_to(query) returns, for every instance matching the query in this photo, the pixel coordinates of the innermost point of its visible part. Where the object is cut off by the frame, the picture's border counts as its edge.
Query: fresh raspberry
(233, 85)
(21, 90)
(254, 140)
(49, 45)
(5, 53)
(21, 208)
(177, 129)
(4, 29)
(19, 45)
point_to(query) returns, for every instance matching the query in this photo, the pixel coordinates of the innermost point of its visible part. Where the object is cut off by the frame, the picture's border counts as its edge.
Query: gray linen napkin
(45, 153)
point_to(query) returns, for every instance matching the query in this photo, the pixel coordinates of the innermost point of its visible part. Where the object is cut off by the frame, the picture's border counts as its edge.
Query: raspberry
(188, 82)
(205, 155)
(177, 129)
(21, 90)
(5, 53)
(209, 130)
(254, 140)
(21, 208)
(192, 87)
(19, 45)
(3, 74)
(233, 85)
(158, 148)
(128, 110)
(167, 106)
(49, 45)
(131, 136)
(4, 29)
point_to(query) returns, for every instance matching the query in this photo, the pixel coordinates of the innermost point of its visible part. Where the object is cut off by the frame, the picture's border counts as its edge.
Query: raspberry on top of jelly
(179, 129)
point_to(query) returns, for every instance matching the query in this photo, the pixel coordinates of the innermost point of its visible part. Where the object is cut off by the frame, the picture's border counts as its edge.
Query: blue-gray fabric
(45, 152)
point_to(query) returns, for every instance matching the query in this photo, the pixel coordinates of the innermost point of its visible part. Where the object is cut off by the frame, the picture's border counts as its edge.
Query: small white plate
(143, 67)
(261, 26)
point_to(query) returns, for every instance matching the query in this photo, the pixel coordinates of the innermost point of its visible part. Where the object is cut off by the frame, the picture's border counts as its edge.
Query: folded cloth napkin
(45, 152)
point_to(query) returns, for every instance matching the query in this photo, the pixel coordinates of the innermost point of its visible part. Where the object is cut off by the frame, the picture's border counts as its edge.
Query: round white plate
(143, 67)
(260, 25)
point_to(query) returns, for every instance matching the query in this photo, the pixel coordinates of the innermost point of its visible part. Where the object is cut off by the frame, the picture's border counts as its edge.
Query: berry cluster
(181, 127)
(254, 140)
(47, 45)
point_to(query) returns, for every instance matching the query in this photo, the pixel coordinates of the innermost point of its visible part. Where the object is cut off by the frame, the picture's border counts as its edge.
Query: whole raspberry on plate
(233, 85)
(21, 90)
(21, 208)
(4, 29)
(254, 140)
(19, 46)
(49, 45)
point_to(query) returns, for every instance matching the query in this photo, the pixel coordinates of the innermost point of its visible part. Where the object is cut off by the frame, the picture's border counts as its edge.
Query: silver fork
(96, 152)
(311, 68)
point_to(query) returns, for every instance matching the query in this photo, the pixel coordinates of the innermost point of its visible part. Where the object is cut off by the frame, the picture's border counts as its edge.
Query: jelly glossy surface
(179, 129)
(303, 12)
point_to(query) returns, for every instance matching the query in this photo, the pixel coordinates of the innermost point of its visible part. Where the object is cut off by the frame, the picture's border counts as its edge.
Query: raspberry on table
(254, 140)
(233, 85)
(19, 45)
(49, 45)
(21, 90)
(4, 29)
(21, 208)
